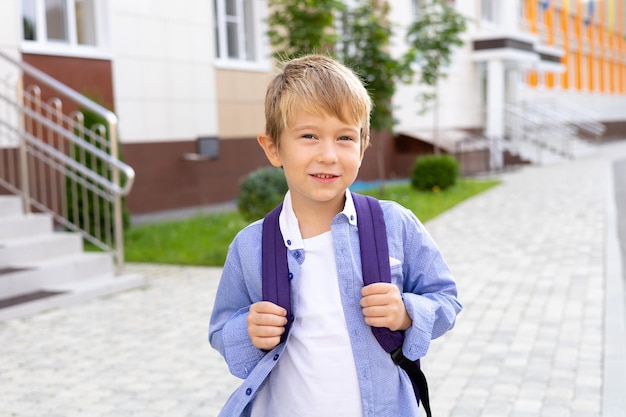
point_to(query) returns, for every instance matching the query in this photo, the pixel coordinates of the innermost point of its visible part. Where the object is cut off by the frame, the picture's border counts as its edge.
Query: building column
(494, 129)
(513, 86)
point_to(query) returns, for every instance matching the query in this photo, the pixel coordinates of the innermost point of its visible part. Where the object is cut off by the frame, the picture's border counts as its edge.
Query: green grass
(204, 239)
(428, 204)
(200, 240)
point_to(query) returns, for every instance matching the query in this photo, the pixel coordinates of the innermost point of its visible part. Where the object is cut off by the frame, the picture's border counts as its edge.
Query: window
(62, 25)
(238, 32)
(29, 20)
(541, 17)
(85, 22)
(489, 10)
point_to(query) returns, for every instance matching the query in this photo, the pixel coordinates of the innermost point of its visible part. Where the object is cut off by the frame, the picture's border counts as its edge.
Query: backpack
(375, 268)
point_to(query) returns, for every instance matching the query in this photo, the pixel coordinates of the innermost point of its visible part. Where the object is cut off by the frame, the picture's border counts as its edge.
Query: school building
(187, 82)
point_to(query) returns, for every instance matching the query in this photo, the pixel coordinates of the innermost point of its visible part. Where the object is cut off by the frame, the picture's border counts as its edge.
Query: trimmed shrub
(434, 172)
(261, 191)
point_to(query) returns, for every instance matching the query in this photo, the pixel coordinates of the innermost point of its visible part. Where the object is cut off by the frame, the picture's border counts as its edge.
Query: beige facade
(240, 102)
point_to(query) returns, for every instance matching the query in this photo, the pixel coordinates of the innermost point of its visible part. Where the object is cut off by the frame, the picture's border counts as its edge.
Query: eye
(308, 136)
(345, 138)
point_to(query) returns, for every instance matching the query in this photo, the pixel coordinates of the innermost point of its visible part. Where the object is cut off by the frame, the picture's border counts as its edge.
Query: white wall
(10, 30)
(459, 92)
(10, 33)
(603, 107)
(163, 69)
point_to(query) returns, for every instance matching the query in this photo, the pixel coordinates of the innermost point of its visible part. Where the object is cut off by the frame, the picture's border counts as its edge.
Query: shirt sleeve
(239, 287)
(429, 289)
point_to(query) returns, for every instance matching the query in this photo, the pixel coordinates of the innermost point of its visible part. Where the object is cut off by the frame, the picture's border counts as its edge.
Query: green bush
(261, 191)
(433, 172)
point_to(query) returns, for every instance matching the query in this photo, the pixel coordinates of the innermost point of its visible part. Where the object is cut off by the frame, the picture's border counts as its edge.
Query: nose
(327, 152)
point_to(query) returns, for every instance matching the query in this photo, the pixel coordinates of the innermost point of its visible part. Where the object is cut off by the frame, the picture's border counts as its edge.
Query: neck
(315, 219)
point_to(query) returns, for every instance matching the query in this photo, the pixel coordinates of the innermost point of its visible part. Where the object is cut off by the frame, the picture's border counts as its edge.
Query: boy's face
(321, 157)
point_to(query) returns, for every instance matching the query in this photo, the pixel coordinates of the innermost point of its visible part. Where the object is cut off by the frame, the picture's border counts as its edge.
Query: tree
(431, 38)
(298, 27)
(367, 40)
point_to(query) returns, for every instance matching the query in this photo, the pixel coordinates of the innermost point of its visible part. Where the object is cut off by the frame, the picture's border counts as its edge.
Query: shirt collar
(290, 227)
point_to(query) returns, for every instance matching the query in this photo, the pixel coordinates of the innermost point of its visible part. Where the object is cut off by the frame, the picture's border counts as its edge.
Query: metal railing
(581, 120)
(59, 152)
(549, 127)
(524, 125)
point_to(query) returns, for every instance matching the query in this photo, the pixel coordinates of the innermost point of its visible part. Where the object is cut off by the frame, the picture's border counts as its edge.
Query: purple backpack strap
(275, 271)
(375, 258)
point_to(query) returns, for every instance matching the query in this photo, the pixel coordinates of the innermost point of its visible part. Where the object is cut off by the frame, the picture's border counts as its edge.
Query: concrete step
(10, 205)
(41, 269)
(25, 225)
(542, 155)
(26, 277)
(40, 247)
(70, 293)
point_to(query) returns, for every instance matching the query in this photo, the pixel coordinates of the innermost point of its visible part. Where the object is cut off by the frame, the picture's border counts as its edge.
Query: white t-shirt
(316, 375)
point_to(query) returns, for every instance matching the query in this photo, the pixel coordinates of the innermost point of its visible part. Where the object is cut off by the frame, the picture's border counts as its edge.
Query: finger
(378, 321)
(266, 307)
(376, 300)
(265, 331)
(375, 311)
(264, 319)
(265, 337)
(377, 288)
(391, 316)
(266, 343)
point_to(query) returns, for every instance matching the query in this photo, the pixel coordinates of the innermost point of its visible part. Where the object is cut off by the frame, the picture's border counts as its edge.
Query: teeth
(324, 176)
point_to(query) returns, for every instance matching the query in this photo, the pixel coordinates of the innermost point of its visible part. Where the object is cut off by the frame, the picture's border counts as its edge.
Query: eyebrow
(305, 127)
(351, 129)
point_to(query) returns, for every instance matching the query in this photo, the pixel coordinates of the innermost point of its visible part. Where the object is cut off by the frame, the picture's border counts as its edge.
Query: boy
(317, 129)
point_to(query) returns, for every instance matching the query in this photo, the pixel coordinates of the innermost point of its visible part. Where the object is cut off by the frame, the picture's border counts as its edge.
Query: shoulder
(396, 213)
(248, 238)
(401, 223)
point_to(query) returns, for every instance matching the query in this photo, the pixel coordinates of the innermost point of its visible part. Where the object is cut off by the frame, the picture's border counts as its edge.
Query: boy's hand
(266, 323)
(383, 306)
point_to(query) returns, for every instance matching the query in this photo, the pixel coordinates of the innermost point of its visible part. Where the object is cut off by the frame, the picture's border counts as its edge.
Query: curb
(614, 401)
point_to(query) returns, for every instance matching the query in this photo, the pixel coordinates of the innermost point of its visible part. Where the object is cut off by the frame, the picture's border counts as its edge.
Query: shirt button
(276, 357)
(288, 242)
(249, 391)
(290, 275)
(297, 255)
(352, 217)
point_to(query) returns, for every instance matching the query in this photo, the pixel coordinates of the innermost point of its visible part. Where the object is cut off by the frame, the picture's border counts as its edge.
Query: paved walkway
(530, 257)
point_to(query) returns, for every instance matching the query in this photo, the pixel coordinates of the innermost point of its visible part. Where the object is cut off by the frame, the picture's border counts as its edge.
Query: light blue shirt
(428, 290)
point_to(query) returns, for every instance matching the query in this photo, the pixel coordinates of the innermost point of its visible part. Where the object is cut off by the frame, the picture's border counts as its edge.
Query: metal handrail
(56, 163)
(569, 115)
(526, 123)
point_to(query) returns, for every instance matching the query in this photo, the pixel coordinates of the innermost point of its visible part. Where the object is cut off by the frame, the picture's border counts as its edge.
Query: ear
(270, 149)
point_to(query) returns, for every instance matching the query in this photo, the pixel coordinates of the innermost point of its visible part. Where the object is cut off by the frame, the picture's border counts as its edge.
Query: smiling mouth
(324, 176)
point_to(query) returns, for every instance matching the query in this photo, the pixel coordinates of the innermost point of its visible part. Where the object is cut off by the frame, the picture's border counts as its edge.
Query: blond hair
(319, 85)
